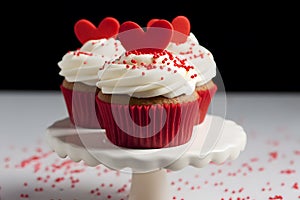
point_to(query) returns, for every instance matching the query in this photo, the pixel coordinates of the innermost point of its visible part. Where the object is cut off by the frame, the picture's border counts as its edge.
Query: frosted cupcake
(147, 97)
(184, 43)
(80, 68)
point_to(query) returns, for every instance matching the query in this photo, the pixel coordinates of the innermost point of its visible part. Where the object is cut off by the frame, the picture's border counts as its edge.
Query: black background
(254, 44)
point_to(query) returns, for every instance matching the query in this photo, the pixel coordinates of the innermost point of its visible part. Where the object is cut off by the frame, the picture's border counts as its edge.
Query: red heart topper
(107, 28)
(155, 39)
(182, 27)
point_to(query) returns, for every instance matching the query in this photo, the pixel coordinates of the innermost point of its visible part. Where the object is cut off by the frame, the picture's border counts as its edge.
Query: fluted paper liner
(206, 97)
(141, 132)
(81, 107)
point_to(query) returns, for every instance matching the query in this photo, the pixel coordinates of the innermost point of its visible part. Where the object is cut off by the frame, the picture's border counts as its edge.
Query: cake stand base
(150, 186)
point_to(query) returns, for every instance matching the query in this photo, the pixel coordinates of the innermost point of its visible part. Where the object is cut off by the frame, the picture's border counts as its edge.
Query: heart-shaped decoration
(156, 37)
(107, 28)
(181, 26)
(182, 29)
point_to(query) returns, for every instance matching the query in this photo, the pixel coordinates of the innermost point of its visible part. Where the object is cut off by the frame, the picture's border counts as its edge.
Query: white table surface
(269, 168)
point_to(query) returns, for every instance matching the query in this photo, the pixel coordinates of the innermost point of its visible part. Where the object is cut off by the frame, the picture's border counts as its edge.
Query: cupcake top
(164, 59)
(202, 58)
(186, 44)
(144, 75)
(83, 64)
(147, 69)
(99, 46)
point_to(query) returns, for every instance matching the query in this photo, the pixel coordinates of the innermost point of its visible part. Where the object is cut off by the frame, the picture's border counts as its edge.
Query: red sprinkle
(241, 190)
(24, 163)
(297, 152)
(276, 197)
(78, 53)
(273, 155)
(7, 159)
(261, 169)
(24, 195)
(37, 167)
(287, 171)
(57, 180)
(295, 186)
(77, 171)
(254, 159)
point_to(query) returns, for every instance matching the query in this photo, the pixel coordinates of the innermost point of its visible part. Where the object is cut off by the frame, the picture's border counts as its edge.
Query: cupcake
(147, 97)
(80, 68)
(185, 43)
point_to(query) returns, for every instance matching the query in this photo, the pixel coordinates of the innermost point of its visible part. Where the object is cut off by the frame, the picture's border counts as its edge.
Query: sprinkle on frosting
(163, 74)
(198, 55)
(82, 65)
(175, 60)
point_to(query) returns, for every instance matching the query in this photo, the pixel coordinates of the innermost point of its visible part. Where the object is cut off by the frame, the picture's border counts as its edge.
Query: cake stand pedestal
(215, 140)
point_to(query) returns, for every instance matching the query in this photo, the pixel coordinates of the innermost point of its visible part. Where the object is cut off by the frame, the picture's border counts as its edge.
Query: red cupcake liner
(206, 97)
(130, 126)
(81, 108)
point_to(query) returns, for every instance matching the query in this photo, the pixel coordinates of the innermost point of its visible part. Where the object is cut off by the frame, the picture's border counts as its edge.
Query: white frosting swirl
(199, 56)
(82, 65)
(144, 75)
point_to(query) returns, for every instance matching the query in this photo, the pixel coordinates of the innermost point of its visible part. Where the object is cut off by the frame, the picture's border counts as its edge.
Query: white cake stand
(215, 140)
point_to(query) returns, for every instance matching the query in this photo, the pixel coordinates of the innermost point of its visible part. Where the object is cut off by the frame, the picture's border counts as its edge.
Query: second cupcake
(80, 68)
